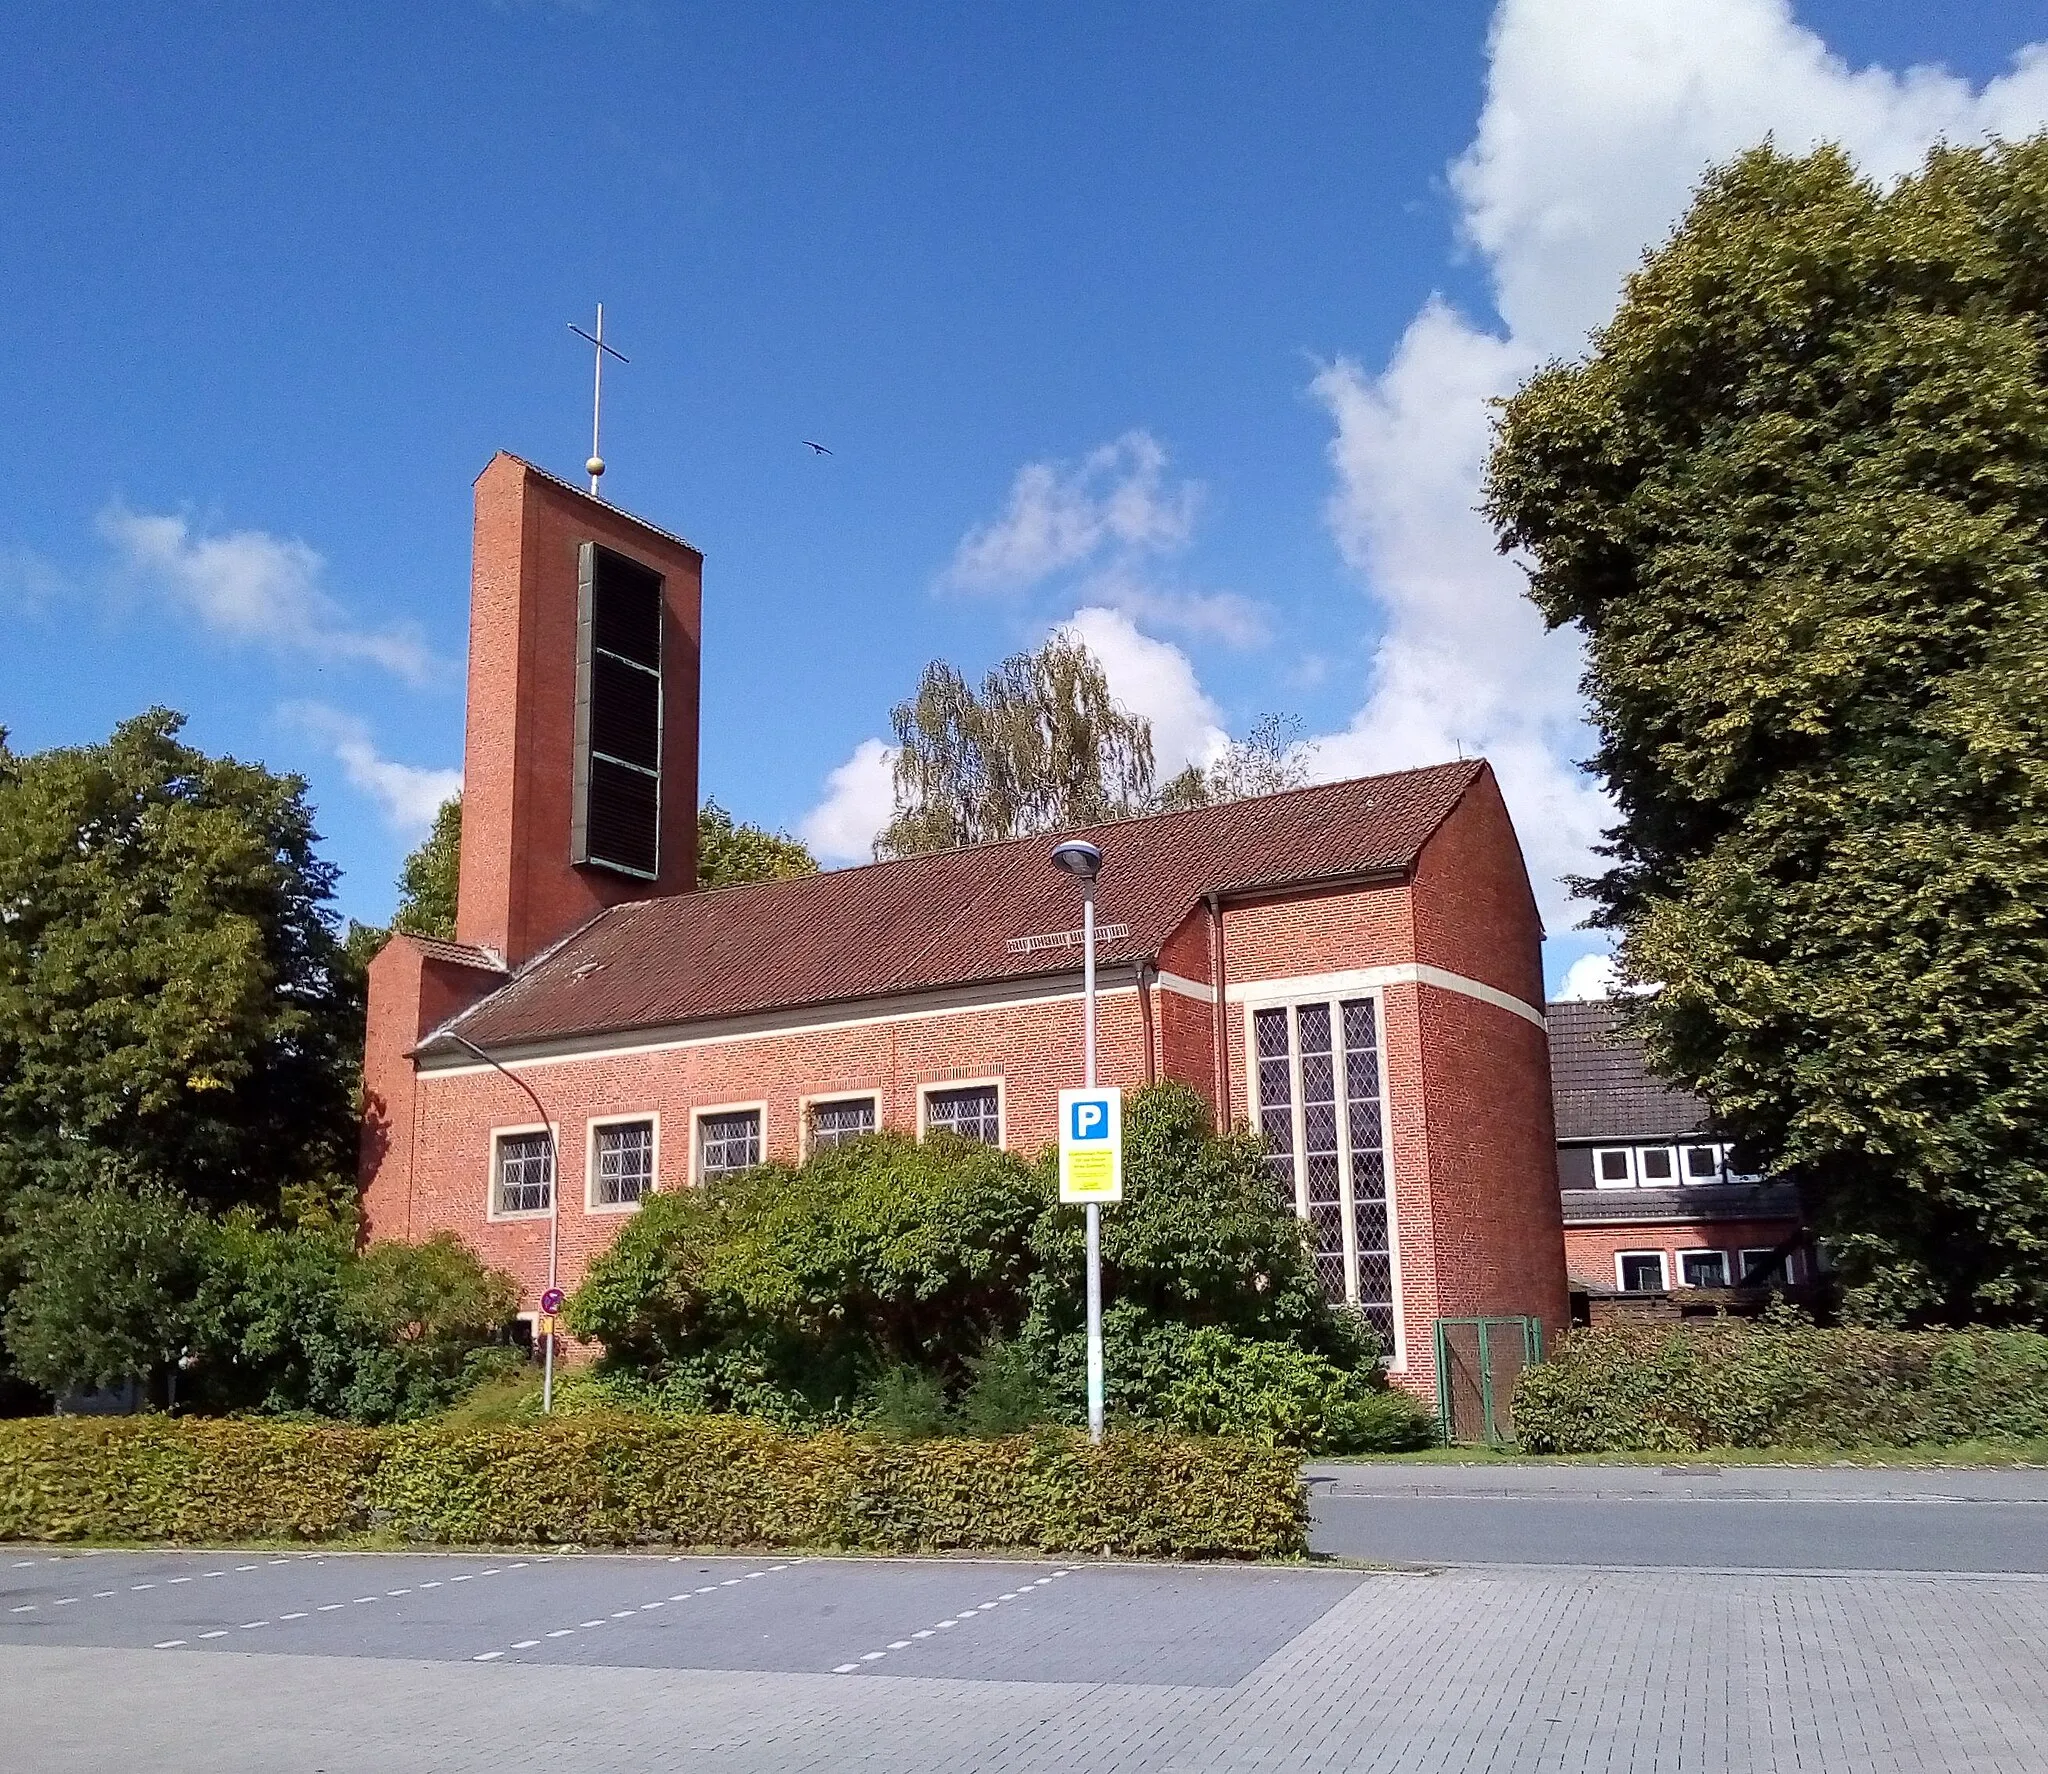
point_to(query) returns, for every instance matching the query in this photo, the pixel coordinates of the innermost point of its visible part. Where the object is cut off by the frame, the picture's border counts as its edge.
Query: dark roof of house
(1688, 1203)
(1603, 1088)
(925, 922)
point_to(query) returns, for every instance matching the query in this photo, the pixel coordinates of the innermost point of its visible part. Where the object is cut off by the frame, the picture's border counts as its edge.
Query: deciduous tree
(1797, 500)
(172, 989)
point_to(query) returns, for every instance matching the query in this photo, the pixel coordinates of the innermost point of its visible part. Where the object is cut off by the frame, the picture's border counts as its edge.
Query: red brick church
(1353, 969)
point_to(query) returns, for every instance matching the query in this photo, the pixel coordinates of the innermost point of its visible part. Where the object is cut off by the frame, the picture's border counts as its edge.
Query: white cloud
(1154, 679)
(1589, 977)
(1600, 116)
(409, 795)
(1224, 616)
(1062, 514)
(255, 587)
(860, 798)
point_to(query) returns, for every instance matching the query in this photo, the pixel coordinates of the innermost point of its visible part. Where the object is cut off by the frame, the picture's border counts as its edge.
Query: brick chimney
(579, 771)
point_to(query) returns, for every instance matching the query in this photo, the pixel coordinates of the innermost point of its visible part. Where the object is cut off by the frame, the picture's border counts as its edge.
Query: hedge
(1729, 1384)
(627, 1480)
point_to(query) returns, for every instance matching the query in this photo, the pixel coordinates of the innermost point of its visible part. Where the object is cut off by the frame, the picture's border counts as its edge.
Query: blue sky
(1176, 323)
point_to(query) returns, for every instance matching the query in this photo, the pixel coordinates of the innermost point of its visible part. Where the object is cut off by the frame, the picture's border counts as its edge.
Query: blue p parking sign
(1092, 1145)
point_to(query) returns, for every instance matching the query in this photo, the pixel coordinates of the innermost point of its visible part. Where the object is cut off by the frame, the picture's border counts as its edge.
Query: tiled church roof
(1602, 1084)
(947, 919)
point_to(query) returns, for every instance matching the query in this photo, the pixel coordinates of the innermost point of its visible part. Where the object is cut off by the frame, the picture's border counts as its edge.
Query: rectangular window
(1762, 1268)
(971, 1112)
(1656, 1167)
(1614, 1167)
(1703, 1268)
(1371, 1213)
(523, 1179)
(1276, 1098)
(621, 1163)
(616, 820)
(727, 1140)
(1702, 1164)
(1641, 1271)
(1316, 1071)
(846, 1118)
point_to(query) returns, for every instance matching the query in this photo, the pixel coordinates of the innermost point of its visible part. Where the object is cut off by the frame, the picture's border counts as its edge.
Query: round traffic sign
(551, 1301)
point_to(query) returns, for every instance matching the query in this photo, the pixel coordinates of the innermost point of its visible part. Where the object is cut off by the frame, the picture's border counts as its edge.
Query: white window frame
(1701, 1250)
(591, 1204)
(697, 1118)
(1663, 1272)
(1628, 1154)
(1677, 1176)
(825, 1099)
(1254, 1002)
(554, 1133)
(1790, 1266)
(1686, 1148)
(926, 1091)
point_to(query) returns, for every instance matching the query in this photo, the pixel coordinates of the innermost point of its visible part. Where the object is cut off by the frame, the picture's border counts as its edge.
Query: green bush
(297, 1322)
(159, 1478)
(1283, 1397)
(615, 1480)
(921, 1286)
(787, 1292)
(1729, 1384)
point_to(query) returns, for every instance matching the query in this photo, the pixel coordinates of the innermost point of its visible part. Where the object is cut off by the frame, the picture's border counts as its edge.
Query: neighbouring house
(1655, 1210)
(1354, 969)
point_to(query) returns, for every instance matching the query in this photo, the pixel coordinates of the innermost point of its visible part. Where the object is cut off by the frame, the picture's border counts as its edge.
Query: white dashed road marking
(630, 1613)
(965, 1614)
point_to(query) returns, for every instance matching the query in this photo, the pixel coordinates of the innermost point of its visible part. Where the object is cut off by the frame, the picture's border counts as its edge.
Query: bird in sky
(820, 448)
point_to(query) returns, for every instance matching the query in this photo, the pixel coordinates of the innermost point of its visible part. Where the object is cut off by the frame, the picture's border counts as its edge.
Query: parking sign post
(1091, 1124)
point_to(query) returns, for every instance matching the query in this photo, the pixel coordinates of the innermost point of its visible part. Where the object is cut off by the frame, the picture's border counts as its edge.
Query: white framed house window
(1760, 1267)
(833, 1120)
(726, 1138)
(1656, 1167)
(1639, 1271)
(620, 1164)
(1703, 1268)
(522, 1172)
(973, 1111)
(1614, 1167)
(1701, 1164)
(1320, 1101)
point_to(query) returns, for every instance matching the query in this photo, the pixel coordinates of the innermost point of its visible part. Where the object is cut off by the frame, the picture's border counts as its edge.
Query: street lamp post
(547, 1127)
(1084, 862)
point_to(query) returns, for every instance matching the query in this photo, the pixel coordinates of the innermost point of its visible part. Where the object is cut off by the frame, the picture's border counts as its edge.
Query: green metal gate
(1478, 1361)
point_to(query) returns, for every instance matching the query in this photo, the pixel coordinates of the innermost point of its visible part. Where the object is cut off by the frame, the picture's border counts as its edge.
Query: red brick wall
(410, 993)
(1474, 913)
(1033, 1047)
(519, 892)
(1472, 1139)
(1589, 1251)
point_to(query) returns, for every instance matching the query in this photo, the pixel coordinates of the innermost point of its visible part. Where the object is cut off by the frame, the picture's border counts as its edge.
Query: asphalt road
(340, 1663)
(1734, 1518)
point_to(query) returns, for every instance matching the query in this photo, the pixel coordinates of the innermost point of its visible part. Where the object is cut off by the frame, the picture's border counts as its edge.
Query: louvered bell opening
(624, 812)
(626, 612)
(625, 712)
(618, 715)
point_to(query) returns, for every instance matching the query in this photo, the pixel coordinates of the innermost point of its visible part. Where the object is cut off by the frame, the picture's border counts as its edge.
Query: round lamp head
(1080, 859)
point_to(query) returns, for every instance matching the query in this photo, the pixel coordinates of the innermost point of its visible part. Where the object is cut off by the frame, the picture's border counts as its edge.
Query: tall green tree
(172, 990)
(427, 879)
(1043, 746)
(730, 854)
(1797, 500)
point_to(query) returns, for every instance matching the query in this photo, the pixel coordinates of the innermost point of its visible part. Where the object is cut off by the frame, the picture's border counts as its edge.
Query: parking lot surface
(347, 1663)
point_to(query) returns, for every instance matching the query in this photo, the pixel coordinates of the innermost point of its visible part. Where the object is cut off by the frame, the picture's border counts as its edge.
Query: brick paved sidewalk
(1500, 1672)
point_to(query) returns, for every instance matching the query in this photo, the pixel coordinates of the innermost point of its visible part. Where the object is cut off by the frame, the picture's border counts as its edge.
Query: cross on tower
(595, 466)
